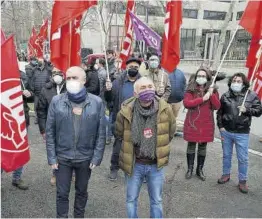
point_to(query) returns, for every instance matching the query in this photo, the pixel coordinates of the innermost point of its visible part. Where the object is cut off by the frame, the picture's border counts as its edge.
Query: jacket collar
(128, 105)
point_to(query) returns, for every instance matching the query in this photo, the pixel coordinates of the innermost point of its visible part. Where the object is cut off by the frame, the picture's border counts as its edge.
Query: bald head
(143, 83)
(76, 73)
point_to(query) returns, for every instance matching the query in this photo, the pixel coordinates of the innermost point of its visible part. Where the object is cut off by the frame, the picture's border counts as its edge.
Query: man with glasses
(121, 90)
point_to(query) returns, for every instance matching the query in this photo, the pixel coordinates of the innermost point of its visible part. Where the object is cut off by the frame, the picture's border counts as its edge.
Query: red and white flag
(258, 83)
(14, 143)
(66, 45)
(171, 37)
(127, 44)
(251, 20)
(65, 32)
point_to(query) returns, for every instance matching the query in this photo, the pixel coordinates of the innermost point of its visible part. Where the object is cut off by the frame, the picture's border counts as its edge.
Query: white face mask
(201, 81)
(236, 87)
(58, 79)
(73, 86)
(153, 64)
(96, 66)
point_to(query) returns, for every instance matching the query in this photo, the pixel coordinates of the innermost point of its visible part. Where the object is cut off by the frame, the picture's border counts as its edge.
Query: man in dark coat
(42, 74)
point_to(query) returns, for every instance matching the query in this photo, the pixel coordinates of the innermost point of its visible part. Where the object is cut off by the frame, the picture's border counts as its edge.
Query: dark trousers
(115, 154)
(36, 99)
(63, 184)
(191, 148)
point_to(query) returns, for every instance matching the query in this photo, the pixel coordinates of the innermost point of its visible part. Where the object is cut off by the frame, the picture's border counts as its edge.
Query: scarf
(144, 129)
(79, 97)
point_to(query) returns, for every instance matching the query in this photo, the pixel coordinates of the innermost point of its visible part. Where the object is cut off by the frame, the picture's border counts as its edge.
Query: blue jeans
(155, 181)
(241, 142)
(16, 174)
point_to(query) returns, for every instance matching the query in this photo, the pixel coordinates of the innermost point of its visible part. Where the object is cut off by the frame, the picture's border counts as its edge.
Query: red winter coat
(199, 124)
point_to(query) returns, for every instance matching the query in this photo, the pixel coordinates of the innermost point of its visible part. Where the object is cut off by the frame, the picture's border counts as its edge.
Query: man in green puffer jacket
(145, 124)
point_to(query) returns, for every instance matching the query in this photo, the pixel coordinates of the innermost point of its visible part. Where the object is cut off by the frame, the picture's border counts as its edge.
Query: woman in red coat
(201, 100)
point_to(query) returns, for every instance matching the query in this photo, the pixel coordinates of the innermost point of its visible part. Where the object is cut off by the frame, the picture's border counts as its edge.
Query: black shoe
(113, 175)
(200, 164)
(20, 184)
(190, 164)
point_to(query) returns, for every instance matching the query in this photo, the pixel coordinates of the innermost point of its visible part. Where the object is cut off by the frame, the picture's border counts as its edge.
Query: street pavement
(181, 197)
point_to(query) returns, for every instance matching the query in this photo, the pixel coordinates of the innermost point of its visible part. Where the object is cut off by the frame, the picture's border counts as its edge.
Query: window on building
(188, 38)
(116, 34)
(116, 7)
(155, 11)
(190, 13)
(140, 9)
(214, 15)
(239, 15)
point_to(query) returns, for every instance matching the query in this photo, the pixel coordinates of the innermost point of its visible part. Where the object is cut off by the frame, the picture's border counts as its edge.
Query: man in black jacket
(121, 90)
(42, 74)
(234, 122)
(52, 88)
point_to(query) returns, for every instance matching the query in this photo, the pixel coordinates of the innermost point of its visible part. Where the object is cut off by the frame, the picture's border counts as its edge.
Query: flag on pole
(66, 45)
(127, 44)
(258, 83)
(252, 21)
(145, 33)
(32, 47)
(41, 38)
(171, 38)
(65, 11)
(14, 143)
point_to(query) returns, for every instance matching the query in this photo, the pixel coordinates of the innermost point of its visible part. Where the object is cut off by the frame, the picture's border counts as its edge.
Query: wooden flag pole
(224, 56)
(253, 75)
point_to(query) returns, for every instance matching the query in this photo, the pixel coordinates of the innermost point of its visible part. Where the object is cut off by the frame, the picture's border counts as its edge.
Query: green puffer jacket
(165, 131)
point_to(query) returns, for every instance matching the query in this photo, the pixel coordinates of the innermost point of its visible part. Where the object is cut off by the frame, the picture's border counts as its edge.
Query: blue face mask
(236, 87)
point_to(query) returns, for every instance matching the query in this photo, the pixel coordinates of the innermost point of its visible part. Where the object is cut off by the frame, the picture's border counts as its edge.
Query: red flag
(127, 44)
(32, 47)
(41, 38)
(14, 142)
(171, 37)
(3, 38)
(252, 22)
(258, 84)
(65, 11)
(65, 46)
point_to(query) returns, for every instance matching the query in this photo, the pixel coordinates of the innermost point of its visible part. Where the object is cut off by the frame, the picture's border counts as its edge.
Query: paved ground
(182, 198)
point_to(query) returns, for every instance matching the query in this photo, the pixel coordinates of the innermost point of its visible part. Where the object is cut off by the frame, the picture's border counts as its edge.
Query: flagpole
(103, 42)
(252, 76)
(224, 56)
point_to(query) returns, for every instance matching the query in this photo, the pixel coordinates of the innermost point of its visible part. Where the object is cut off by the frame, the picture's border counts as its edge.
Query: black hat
(138, 61)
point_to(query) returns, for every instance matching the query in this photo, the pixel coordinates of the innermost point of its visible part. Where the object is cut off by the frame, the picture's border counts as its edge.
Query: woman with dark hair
(201, 100)
(234, 128)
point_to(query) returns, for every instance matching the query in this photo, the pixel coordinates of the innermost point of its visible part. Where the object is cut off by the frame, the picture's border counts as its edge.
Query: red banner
(127, 44)
(14, 143)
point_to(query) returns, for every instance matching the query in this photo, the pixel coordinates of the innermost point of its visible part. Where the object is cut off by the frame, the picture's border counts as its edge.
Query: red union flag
(14, 142)
(127, 44)
(32, 51)
(41, 38)
(171, 38)
(258, 84)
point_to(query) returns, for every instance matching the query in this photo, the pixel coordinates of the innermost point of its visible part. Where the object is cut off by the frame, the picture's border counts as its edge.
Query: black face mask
(132, 72)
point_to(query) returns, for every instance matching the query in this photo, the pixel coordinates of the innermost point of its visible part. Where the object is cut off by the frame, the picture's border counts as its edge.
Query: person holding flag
(234, 129)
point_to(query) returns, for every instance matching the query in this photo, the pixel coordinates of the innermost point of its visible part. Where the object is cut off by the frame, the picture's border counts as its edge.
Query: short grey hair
(141, 81)
(77, 69)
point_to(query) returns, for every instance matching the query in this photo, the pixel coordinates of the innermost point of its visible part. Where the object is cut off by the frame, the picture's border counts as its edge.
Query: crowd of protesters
(83, 109)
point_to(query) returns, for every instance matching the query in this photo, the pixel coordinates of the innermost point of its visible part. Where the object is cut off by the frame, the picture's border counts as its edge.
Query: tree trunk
(222, 37)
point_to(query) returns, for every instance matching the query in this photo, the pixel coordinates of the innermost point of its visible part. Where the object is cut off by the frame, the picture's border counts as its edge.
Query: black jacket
(40, 77)
(228, 114)
(25, 86)
(46, 95)
(115, 95)
(92, 82)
